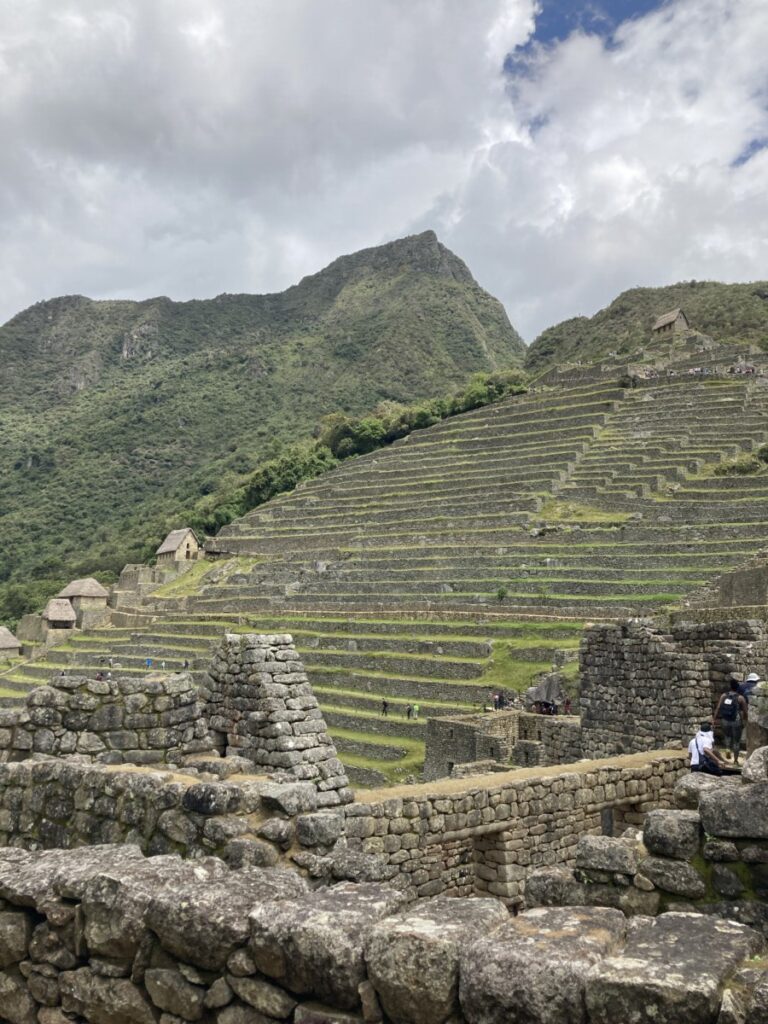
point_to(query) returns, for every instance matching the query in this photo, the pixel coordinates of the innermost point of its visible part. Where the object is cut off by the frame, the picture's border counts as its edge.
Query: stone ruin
(241, 883)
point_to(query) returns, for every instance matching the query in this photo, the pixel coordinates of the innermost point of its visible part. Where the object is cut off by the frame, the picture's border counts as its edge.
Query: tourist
(495, 702)
(149, 663)
(186, 664)
(732, 711)
(704, 757)
(408, 710)
(567, 706)
(385, 707)
(415, 710)
(748, 685)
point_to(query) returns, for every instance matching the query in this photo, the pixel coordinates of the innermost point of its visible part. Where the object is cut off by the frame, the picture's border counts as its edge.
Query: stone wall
(643, 687)
(148, 721)
(507, 737)
(711, 856)
(260, 705)
(485, 834)
(105, 936)
(481, 835)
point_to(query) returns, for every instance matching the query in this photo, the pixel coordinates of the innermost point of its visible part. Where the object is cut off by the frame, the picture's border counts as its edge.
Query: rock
(250, 853)
(689, 788)
(720, 850)
(211, 920)
(533, 969)
(756, 766)
(602, 853)
(675, 876)
(314, 945)
(554, 887)
(278, 830)
(372, 1012)
(169, 991)
(262, 996)
(15, 933)
(114, 902)
(361, 867)
(290, 798)
(671, 970)
(413, 957)
(320, 829)
(18, 1006)
(240, 1014)
(218, 995)
(672, 833)
(316, 1013)
(740, 812)
(104, 1000)
(726, 882)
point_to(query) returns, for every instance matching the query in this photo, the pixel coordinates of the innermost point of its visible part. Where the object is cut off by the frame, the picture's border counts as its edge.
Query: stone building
(673, 322)
(179, 546)
(59, 614)
(88, 599)
(10, 647)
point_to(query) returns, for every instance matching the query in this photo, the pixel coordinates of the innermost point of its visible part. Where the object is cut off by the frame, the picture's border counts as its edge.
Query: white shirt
(701, 741)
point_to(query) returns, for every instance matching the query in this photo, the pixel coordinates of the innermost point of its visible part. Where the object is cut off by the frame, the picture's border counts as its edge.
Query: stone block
(674, 876)
(602, 853)
(413, 956)
(740, 812)
(320, 829)
(534, 968)
(314, 945)
(671, 970)
(672, 833)
(169, 990)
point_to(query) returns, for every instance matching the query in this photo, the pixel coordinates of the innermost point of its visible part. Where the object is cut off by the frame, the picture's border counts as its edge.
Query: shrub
(743, 465)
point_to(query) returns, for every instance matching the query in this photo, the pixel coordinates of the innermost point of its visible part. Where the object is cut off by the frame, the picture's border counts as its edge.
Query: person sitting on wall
(704, 757)
(732, 711)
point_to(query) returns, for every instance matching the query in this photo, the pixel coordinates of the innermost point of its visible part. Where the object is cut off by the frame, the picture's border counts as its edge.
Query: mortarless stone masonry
(259, 705)
(106, 936)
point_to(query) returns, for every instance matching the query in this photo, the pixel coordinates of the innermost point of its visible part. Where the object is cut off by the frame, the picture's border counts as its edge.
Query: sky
(565, 150)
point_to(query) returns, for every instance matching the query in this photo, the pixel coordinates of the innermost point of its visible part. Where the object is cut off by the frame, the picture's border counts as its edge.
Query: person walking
(408, 711)
(748, 685)
(731, 710)
(385, 707)
(415, 710)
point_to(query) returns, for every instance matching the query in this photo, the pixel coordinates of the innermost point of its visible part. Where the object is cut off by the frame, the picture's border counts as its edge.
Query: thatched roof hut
(674, 320)
(88, 587)
(60, 611)
(178, 546)
(8, 642)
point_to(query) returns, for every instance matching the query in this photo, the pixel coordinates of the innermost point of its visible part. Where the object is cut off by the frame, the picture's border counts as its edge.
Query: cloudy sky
(566, 149)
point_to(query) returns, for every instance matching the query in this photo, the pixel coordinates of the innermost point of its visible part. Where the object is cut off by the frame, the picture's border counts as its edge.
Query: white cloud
(191, 147)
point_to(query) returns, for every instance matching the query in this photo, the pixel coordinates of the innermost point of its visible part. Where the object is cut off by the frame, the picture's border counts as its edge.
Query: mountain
(729, 313)
(117, 415)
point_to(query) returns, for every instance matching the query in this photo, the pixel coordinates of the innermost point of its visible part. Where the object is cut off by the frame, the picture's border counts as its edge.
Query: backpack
(729, 709)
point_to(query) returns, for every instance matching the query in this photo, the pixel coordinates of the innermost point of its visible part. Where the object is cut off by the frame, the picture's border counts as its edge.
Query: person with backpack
(732, 711)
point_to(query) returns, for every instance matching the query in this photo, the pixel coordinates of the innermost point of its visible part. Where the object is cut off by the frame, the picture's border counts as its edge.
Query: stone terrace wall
(104, 936)
(259, 702)
(148, 721)
(508, 737)
(644, 688)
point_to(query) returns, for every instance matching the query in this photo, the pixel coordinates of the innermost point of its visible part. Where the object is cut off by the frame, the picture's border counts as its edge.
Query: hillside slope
(462, 559)
(115, 416)
(730, 313)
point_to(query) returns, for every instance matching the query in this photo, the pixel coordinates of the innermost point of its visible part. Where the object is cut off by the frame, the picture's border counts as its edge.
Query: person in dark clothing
(748, 685)
(731, 710)
(385, 707)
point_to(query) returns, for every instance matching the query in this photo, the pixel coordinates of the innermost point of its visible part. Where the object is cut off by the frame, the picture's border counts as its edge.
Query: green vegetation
(558, 511)
(118, 419)
(733, 314)
(340, 436)
(742, 465)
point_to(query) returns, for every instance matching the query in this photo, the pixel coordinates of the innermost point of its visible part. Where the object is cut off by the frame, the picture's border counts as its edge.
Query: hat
(706, 727)
(753, 677)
